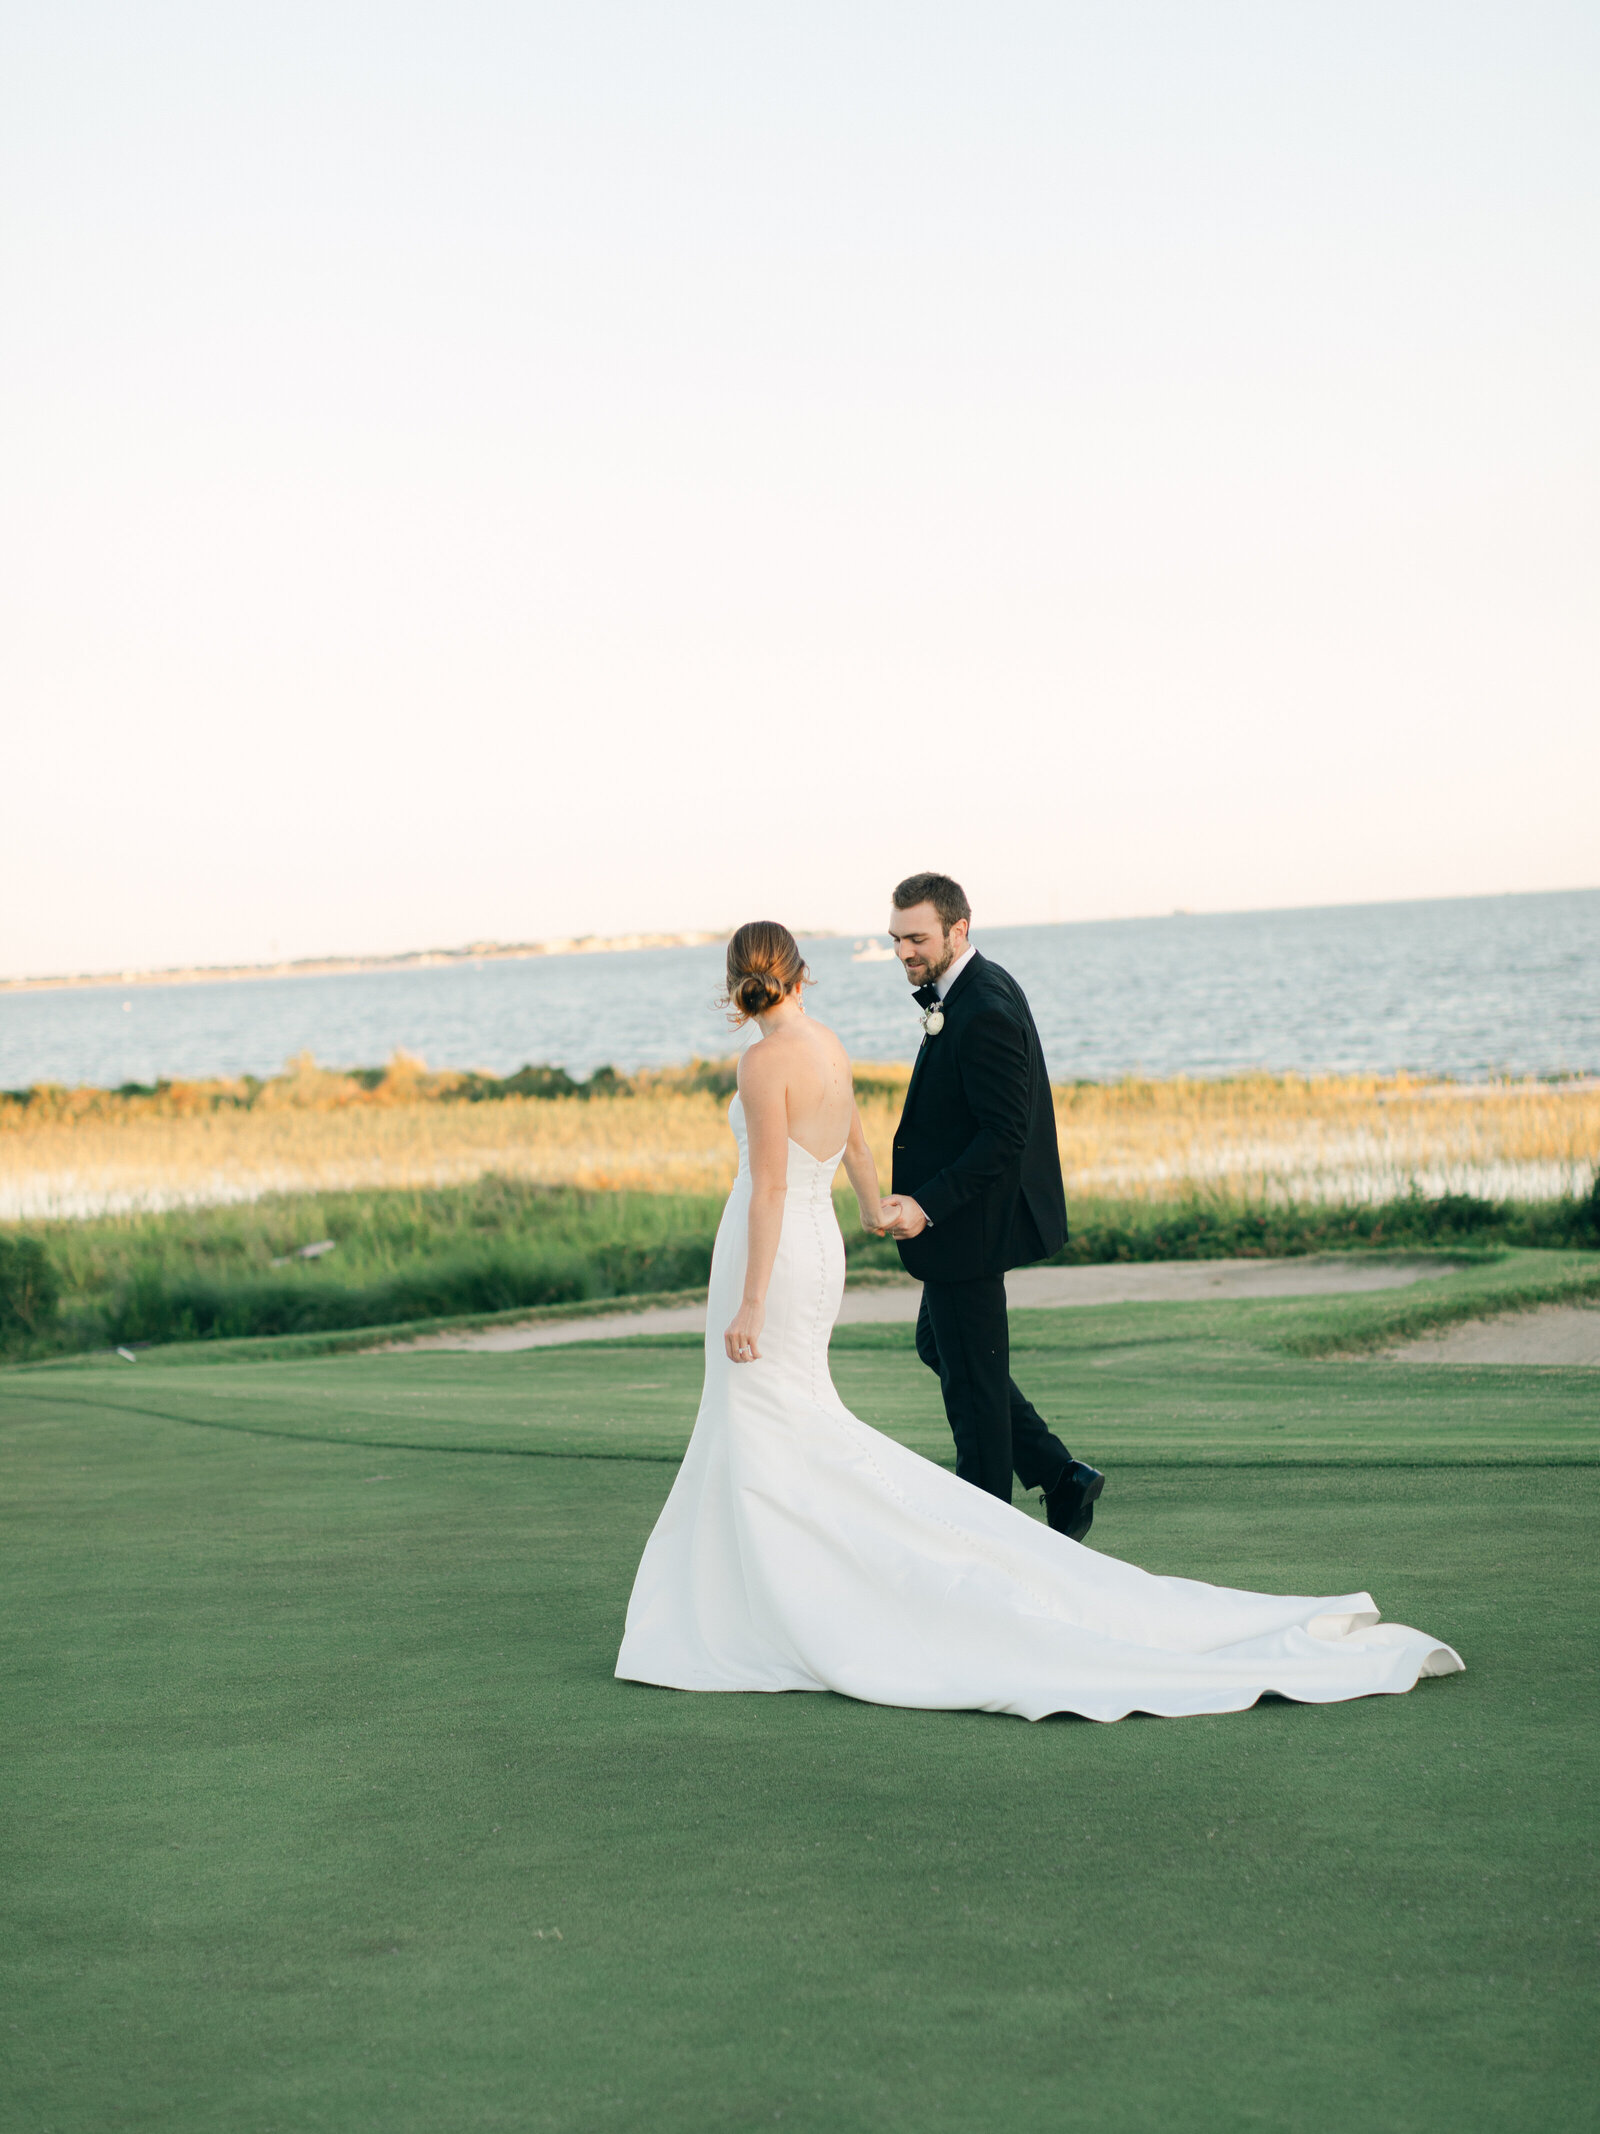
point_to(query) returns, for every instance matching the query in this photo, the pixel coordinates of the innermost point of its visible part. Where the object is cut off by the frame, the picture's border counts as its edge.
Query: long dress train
(801, 1549)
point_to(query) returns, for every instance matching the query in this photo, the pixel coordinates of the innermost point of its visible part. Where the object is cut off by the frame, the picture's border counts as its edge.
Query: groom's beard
(931, 971)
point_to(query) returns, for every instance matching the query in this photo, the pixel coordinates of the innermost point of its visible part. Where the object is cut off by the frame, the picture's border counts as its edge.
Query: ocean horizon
(1465, 988)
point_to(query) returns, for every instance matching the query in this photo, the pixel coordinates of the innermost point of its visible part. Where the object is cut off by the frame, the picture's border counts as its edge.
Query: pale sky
(499, 470)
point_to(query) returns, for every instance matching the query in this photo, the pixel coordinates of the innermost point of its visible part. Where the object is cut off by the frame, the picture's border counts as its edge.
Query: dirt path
(1141, 1282)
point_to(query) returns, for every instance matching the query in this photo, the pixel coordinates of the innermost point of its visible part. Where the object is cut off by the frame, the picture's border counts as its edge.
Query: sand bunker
(1565, 1335)
(1142, 1282)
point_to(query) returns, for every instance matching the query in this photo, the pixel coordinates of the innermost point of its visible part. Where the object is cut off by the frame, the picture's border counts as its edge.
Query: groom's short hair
(948, 898)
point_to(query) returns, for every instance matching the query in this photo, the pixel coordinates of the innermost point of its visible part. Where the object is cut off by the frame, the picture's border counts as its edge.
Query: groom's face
(922, 944)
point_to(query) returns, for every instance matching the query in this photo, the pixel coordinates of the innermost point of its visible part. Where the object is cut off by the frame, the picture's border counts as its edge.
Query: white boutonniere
(932, 1020)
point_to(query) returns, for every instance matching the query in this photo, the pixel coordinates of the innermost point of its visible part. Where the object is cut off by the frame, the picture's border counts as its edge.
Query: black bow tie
(926, 996)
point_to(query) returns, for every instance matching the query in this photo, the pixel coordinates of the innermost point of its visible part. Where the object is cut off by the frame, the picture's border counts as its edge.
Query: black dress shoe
(1069, 1507)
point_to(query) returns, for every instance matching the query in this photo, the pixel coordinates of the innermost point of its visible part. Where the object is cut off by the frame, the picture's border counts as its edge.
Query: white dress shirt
(955, 970)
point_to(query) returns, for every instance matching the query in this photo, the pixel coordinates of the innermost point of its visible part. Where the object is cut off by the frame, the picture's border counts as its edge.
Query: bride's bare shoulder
(768, 1063)
(779, 1051)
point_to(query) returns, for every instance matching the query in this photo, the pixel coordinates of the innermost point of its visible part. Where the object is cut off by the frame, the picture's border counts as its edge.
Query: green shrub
(30, 1288)
(155, 1305)
(1204, 1228)
(505, 1244)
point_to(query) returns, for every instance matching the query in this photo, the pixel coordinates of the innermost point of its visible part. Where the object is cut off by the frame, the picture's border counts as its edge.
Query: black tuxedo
(976, 1149)
(976, 1143)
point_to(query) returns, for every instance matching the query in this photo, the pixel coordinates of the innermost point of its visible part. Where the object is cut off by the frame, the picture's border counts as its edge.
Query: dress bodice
(809, 1176)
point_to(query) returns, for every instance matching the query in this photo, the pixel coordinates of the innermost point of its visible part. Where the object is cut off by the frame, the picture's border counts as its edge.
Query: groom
(977, 1189)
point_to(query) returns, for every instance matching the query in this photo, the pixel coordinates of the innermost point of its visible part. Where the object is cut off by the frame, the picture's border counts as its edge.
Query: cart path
(1027, 1288)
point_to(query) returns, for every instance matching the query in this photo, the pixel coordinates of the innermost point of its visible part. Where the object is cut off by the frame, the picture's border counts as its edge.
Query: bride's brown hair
(763, 965)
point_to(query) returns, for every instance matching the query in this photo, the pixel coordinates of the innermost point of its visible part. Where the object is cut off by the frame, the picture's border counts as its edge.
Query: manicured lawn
(326, 1812)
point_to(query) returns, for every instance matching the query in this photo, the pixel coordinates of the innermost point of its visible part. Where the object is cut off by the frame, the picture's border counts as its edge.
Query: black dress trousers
(963, 1335)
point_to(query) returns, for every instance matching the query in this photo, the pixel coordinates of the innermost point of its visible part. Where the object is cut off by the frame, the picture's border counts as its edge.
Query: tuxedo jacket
(976, 1143)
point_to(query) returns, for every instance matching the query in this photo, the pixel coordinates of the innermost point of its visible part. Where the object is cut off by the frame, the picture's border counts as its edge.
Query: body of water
(1467, 987)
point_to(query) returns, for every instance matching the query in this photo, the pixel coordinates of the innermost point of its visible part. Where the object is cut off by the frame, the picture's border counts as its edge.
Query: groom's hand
(903, 1216)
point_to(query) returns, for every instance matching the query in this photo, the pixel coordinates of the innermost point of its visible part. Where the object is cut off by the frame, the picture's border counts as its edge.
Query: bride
(800, 1549)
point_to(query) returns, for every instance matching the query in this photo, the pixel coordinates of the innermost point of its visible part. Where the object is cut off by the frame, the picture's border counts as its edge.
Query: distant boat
(871, 952)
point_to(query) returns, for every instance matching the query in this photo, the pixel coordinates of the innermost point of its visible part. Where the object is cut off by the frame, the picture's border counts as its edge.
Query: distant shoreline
(428, 959)
(603, 944)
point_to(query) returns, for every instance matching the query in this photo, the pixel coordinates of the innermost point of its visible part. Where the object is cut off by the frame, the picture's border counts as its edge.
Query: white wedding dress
(800, 1549)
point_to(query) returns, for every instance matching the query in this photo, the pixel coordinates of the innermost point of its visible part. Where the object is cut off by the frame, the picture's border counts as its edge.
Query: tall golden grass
(1344, 1138)
(1329, 1138)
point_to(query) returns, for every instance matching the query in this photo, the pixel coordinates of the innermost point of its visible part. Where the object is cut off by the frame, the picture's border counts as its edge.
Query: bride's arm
(863, 1174)
(766, 1117)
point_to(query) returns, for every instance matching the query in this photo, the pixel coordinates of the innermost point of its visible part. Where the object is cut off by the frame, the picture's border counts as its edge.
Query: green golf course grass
(326, 1812)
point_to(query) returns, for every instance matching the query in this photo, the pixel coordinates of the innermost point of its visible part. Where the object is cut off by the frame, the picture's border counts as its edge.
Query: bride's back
(818, 1093)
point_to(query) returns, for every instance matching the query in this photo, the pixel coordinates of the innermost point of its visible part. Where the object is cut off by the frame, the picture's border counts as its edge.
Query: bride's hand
(743, 1338)
(875, 1221)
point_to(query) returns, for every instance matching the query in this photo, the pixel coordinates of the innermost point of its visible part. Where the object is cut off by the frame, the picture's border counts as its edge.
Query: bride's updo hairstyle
(763, 965)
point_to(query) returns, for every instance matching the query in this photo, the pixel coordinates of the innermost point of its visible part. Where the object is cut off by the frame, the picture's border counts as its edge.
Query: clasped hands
(899, 1216)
